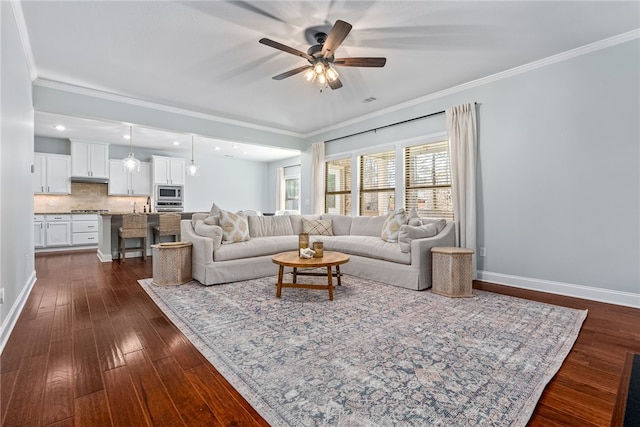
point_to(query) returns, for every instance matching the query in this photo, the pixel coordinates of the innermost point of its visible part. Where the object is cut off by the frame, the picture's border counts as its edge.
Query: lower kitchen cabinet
(84, 229)
(38, 231)
(60, 231)
(57, 230)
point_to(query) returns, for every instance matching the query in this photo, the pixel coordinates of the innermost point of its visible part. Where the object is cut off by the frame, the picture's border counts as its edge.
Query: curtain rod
(291, 166)
(388, 126)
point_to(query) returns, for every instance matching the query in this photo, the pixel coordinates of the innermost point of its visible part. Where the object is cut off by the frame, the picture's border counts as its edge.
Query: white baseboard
(578, 291)
(12, 317)
(104, 257)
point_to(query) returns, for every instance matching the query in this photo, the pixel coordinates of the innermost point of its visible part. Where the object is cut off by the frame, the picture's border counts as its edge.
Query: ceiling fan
(322, 56)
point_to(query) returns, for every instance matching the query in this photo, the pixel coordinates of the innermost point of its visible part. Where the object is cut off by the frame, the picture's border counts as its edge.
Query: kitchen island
(108, 225)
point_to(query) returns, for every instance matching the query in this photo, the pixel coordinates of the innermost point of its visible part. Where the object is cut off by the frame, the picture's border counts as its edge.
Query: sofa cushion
(212, 220)
(259, 246)
(215, 209)
(392, 224)
(341, 224)
(235, 227)
(367, 225)
(198, 216)
(319, 227)
(410, 232)
(261, 226)
(367, 246)
(213, 232)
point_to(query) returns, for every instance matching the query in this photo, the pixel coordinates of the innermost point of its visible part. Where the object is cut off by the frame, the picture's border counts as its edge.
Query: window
(337, 199)
(292, 193)
(377, 183)
(428, 180)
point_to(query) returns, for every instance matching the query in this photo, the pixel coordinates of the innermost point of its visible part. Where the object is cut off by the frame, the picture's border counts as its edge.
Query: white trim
(12, 316)
(104, 257)
(627, 299)
(66, 87)
(24, 38)
(583, 50)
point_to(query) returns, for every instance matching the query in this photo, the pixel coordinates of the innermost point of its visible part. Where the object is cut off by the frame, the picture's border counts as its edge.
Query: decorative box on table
(171, 263)
(452, 275)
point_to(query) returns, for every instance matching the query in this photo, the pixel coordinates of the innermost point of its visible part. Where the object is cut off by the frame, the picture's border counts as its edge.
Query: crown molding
(24, 38)
(80, 90)
(583, 50)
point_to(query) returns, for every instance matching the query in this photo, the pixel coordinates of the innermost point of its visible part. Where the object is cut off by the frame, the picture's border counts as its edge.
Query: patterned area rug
(377, 355)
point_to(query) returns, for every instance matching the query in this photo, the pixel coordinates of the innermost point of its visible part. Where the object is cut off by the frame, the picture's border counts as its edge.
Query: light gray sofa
(359, 237)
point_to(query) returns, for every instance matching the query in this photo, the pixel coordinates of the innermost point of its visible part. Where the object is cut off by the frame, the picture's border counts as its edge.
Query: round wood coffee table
(292, 259)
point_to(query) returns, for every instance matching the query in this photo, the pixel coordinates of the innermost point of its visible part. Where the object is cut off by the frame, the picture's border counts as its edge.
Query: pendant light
(193, 167)
(131, 164)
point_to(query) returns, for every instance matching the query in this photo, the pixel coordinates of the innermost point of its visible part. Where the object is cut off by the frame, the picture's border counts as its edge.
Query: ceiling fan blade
(360, 62)
(336, 84)
(335, 38)
(285, 48)
(291, 72)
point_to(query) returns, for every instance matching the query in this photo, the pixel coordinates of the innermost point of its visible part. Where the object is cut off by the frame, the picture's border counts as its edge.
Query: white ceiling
(204, 56)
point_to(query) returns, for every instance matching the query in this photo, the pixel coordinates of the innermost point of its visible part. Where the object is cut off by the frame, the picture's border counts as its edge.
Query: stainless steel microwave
(168, 193)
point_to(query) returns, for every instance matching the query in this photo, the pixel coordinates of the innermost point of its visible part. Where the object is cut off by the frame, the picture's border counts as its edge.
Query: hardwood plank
(58, 399)
(193, 410)
(25, 403)
(151, 392)
(81, 314)
(87, 372)
(62, 323)
(151, 341)
(92, 410)
(215, 394)
(15, 347)
(97, 310)
(109, 353)
(179, 347)
(40, 337)
(7, 382)
(125, 333)
(124, 406)
(617, 419)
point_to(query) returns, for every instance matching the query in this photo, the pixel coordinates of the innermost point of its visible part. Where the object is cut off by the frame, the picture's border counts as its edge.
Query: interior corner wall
(16, 156)
(558, 184)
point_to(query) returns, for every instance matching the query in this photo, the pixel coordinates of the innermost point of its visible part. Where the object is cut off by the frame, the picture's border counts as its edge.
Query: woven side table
(452, 275)
(171, 263)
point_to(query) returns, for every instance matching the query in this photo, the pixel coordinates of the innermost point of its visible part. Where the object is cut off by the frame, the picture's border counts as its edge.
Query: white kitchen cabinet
(123, 183)
(38, 231)
(51, 174)
(89, 159)
(168, 170)
(57, 230)
(84, 229)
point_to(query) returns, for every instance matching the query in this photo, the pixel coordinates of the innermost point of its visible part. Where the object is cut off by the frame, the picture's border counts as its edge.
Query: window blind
(338, 187)
(377, 183)
(428, 180)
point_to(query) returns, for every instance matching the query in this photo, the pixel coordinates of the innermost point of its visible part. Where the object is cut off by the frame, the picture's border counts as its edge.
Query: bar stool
(134, 226)
(169, 226)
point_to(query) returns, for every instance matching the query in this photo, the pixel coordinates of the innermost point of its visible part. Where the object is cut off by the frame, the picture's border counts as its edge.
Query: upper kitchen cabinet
(123, 183)
(89, 159)
(51, 174)
(168, 170)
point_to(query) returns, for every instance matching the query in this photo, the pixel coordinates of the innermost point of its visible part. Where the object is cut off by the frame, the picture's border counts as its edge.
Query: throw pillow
(320, 227)
(214, 232)
(414, 218)
(212, 220)
(411, 232)
(235, 227)
(392, 224)
(215, 210)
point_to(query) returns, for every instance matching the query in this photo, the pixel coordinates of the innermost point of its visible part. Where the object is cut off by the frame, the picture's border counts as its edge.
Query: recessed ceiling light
(126, 136)
(217, 148)
(369, 99)
(176, 142)
(235, 146)
(244, 152)
(60, 127)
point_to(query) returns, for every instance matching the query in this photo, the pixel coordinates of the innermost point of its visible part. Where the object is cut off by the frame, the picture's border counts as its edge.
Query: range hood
(89, 179)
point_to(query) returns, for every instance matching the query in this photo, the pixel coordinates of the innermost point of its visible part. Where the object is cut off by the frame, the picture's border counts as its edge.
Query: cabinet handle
(42, 188)
(90, 226)
(47, 225)
(41, 226)
(48, 189)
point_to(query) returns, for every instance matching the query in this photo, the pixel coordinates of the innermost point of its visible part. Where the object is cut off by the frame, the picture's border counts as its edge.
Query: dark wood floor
(92, 349)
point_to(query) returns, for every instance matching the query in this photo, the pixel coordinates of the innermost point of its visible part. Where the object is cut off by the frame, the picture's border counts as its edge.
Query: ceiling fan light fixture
(322, 79)
(310, 75)
(332, 75)
(319, 68)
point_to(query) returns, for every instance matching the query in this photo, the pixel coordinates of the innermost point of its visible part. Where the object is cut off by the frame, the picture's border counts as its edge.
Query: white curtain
(317, 177)
(462, 132)
(280, 189)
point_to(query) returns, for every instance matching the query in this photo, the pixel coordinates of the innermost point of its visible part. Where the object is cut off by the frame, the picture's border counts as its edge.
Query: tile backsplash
(86, 196)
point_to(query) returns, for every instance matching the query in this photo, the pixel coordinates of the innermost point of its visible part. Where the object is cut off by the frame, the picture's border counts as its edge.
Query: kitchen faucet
(134, 207)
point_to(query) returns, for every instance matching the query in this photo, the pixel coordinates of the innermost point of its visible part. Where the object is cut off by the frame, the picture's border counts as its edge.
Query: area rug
(377, 355)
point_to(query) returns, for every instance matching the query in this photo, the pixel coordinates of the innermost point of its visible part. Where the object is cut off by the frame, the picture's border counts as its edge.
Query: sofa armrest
(421, 248)
(202, 251)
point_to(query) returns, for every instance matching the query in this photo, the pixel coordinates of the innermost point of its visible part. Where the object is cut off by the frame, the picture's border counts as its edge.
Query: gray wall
(16, 156)
(272, 181)
(558, 181)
